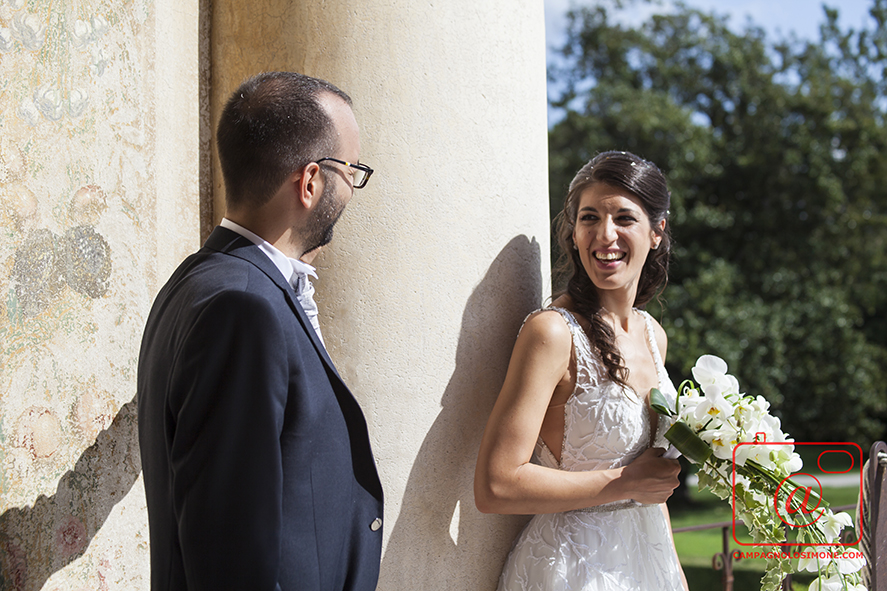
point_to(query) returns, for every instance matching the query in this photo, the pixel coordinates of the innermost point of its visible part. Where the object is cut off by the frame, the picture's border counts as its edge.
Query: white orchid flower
(722, 441)
(757, 453)
(741, 454)
(696, 424)
(808, 561)
(710, 372)
(765, 429)
(733, 387)
(725, 385)
(831, 524)
(709, 368)
(761, 404)
(773, 427)
(787, 460)
(688, 401)
(850, 561)
(832, 583)
(713, 406)
(745, 413)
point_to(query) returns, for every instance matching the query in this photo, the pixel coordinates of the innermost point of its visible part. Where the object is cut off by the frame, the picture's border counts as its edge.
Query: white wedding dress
(614, 547)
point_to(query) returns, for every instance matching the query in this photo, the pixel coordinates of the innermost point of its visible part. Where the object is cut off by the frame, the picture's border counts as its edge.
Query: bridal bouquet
(722, 431)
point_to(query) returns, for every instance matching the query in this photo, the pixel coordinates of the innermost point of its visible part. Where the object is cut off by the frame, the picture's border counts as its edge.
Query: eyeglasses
(361, 175)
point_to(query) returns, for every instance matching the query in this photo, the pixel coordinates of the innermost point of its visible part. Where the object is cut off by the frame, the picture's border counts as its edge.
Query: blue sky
(801, 16)
(778, 17)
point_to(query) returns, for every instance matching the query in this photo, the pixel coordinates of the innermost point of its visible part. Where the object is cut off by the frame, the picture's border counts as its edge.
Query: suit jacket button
(376, 524)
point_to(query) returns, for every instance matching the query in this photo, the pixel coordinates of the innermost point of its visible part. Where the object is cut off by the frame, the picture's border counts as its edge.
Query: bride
(572, 438)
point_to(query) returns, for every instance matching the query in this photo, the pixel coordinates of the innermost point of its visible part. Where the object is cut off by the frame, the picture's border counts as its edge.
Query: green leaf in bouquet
(707, 482)
(760, 533)
(748, 497)
(775, 573)
(659, 403)
(688, 443)
(770, 583)
(704, 480)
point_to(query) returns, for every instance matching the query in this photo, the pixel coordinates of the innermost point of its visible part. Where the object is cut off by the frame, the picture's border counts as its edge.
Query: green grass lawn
(697, 549)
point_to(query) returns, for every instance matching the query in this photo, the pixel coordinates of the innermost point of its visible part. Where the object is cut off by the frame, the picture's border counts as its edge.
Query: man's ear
(309, 186)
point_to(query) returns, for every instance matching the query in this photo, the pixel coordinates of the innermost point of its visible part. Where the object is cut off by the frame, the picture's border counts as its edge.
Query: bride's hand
(651, 479)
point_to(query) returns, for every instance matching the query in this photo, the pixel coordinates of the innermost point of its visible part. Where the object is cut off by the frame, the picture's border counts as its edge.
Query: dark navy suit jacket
(257, 463)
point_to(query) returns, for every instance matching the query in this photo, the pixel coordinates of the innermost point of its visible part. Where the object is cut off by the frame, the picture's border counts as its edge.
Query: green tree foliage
(776, 154)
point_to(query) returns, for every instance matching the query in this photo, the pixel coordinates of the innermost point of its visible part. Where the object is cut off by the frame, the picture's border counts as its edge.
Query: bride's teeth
(609, 256)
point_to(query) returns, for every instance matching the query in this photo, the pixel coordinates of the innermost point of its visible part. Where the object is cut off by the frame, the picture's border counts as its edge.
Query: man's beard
(319, 227)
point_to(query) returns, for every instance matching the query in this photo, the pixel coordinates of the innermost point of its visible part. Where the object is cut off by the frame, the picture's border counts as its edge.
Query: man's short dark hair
(272, 126)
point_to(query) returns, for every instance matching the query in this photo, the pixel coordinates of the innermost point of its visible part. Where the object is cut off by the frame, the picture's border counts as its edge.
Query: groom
(257, 462)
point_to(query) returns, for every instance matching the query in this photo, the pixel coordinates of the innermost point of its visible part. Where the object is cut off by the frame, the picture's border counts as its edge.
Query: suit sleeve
(227, 405)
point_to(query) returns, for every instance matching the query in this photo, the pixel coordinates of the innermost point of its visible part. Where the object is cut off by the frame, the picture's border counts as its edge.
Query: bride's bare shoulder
(548, 324)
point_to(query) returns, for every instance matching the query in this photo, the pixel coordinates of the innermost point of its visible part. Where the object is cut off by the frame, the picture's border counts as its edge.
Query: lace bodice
(605, 425)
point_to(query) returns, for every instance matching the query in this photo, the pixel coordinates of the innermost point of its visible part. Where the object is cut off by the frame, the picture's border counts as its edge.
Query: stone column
(434, 264)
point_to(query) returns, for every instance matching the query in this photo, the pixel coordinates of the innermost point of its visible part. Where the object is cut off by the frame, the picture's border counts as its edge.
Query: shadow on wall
(36, 542)
(440, 540)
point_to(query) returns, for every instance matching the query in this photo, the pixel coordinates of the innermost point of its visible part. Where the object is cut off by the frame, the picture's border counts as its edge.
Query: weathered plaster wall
(434, 264)
(98, 202)
(433, 267)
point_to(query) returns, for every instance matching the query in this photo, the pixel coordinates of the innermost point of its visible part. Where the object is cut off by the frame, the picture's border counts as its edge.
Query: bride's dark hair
(644, 180)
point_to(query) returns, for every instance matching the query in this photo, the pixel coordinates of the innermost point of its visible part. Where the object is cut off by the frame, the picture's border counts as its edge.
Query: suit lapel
(229, 242)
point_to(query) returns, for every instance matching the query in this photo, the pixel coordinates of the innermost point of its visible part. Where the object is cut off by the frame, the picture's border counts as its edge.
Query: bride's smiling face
(614, 237)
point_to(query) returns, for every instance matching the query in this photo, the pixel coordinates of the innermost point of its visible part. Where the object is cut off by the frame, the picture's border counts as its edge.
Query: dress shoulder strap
(651, 339)
(568, 317)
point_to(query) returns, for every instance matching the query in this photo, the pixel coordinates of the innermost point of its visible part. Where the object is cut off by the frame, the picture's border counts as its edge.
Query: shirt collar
(284, 264)
(303, 268)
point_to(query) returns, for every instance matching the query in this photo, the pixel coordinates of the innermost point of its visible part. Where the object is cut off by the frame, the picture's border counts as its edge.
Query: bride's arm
(506, 482)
